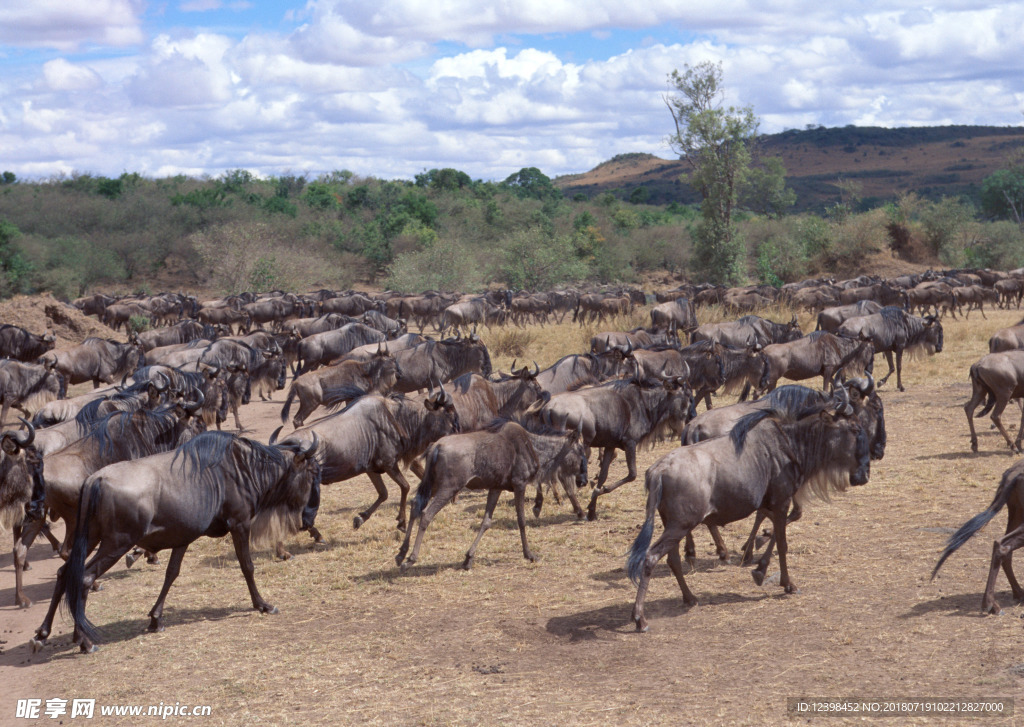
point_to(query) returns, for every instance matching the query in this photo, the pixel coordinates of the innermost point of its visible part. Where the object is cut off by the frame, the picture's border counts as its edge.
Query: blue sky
(393, 87)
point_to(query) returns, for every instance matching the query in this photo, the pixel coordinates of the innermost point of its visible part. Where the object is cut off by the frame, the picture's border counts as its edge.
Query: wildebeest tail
(638, 553)
(426, 485)
(288, 403)
(73, 580)
(976, 523)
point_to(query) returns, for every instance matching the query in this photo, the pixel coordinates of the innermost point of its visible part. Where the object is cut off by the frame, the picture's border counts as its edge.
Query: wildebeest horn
(161, 376)
(310, 450)
(513, 368)
(536, 370)
(843, 405)
(193, 406)
(24, 439)
(273, 435)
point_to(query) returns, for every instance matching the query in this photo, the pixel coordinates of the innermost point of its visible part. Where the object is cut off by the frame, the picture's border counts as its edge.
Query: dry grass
(551, 642)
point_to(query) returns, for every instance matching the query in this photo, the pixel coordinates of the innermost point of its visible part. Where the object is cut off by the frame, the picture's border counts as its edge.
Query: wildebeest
(471, 313)
(377, 435)
(1009, 494)
(623, 414)
(747, 332)
(831, 318)
(764, 464)
(502, 458)
(637, 338)
(819, 353)
(18, 464)
(1007, 339)
(334, 385)
(98, 360)
(892, 330)
(479, 400)
(213, 485)
(996, 378)
(575, 370)
(21, 345)
(322, 348)
(441, 361)
(25, 385)
(677, 315)
(116, 437)
(182, 332)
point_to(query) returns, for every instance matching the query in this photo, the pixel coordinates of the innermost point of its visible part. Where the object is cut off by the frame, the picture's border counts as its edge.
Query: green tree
(533, 183)
(1002, 192)
(766, 192)
(714, 140)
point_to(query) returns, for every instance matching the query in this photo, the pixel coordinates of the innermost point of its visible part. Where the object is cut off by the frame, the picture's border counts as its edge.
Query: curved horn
(536, 370)
(24, 439)
(273, 436)
(843, 406)
(166, 379)
(193, 406)
(513, 368)
(310, 450)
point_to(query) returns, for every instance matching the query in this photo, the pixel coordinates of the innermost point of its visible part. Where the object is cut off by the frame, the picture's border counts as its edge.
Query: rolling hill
(931, 161)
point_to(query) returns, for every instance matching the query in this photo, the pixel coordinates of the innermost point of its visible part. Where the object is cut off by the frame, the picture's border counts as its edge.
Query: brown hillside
(932, 161)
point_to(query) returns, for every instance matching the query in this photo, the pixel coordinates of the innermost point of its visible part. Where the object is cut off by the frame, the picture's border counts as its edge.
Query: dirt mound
(38, 313)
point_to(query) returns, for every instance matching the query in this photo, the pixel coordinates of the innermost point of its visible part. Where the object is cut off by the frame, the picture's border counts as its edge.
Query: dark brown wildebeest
(353, 305)
(881, 293)
(637, 338)
(764, 464)
(468, 314)
(20, 345)
(623, 414)
(391, 327)
(677, 315)
(306, 327)
(93, 305)
(831, 318)
(819, 353)
(479, 400)
(893, 330)
(98, 360)
(213, 485)
(369, 350)
(334, 385)
(1007, 339)
(747, 332)
(228, 316)
(322, 348)
(1009, 494)
(815, 298)
(116, 315)
(576, 370)
(18, 464)
(116, 437)
(182, 332)
(25, 385)
(997, 377)
(502, 458)
(932, 294)
(792, 400)
(376, 436)
(1010, 291)
(441, 361)
(974, 297)
(530, 308)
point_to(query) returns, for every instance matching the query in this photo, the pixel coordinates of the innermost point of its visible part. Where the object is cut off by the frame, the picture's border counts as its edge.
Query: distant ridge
(933, 161)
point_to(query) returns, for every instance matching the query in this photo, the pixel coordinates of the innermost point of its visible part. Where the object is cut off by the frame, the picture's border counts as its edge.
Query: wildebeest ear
(930, 320)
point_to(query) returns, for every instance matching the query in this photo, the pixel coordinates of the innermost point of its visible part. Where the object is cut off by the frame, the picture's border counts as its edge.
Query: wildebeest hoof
(26, 567)
(536, 511)
(758, 576)
(36, 644)
(792, 590)
(403, 566)
(90, 649)
(96, 587)
(357, 521)
(467, 564)
(532, 558)
(267, 608)
(129, 560)
(155, 627)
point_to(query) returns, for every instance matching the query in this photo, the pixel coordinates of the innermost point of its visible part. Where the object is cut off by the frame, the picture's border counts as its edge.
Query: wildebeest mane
(207, 458)
(132, 434)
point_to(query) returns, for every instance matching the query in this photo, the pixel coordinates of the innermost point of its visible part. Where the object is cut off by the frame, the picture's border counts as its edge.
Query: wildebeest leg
(668, 542)
(1020, 428)
(20, 552)
(43, 632)
(570, 491)
(538, 500)
(996, 412)
(892, 367)
(156, 614)
(382, 496)
(779, 527)
(403, 485)
(675, 563)
(240, 538)
(899, 369)
(605, 489)
(691, 552)
(977, 396)
(436, 503)
(716, 535)
(1001, 549)
(492, 501)
(520, 498)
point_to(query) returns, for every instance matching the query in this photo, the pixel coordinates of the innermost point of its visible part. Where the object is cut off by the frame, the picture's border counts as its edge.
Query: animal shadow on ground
(617, 576)
(61, 647)
(964, 605)
(968, 454)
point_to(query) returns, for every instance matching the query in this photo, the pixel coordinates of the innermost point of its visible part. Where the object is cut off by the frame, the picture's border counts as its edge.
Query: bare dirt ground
(552, 642)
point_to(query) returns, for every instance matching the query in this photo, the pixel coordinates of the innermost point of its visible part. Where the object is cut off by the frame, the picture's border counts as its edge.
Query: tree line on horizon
(443, 230)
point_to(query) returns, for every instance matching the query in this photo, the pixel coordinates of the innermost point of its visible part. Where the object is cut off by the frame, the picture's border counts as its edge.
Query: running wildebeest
(1009, 494)
(893, 330)
(997, 377)
(213, 485)
(377, 435)
(501, 458)
(764, 464)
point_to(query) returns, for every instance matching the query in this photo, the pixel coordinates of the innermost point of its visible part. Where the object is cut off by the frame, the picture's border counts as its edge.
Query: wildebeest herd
(140, 465)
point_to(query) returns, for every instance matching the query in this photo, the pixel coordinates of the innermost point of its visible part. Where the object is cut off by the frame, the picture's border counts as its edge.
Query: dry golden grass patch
(551, 642)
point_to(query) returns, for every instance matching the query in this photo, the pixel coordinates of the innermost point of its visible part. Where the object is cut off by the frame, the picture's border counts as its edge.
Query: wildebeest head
(441, 400)
(384, 369)
(18, 463)
(870, 412)
(847, 440)
(933, 333)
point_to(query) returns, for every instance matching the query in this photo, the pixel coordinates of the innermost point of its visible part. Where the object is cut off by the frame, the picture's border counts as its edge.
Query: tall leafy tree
(1002, 192)
(714, 140)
